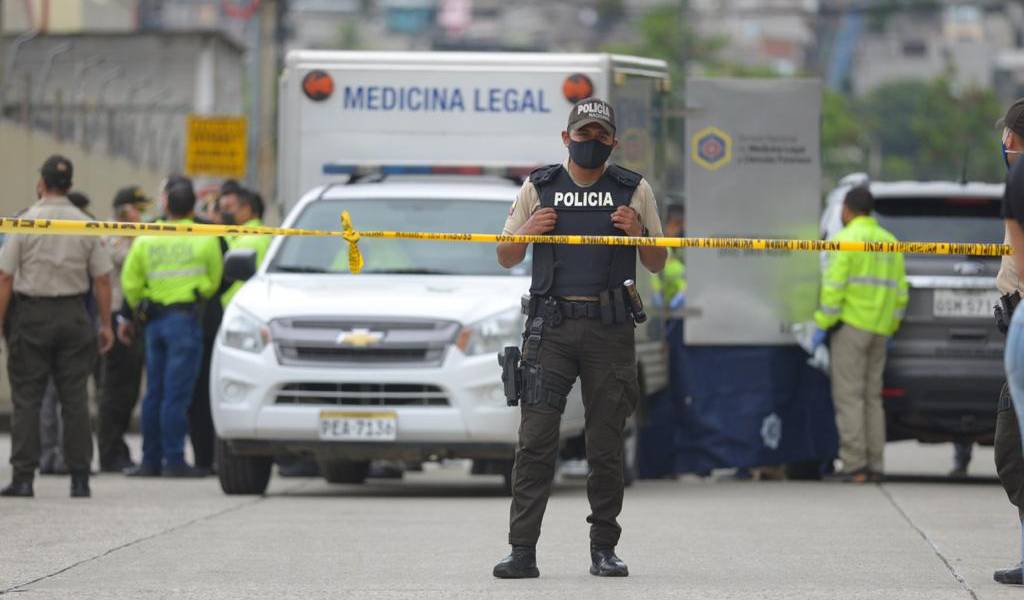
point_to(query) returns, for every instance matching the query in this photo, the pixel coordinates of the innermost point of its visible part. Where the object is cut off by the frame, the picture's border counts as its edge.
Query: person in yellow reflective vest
(243, 208)
(166, 281)
(863, 298)
(670, 284)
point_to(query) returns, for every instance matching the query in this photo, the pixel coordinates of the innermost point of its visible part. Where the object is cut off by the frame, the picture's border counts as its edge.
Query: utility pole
(3, 55)
(266, 177)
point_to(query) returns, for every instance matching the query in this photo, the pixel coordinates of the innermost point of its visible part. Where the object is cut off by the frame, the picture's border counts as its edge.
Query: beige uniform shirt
(54, 265)
(528, 201)
(1007, 280)
(118, 247)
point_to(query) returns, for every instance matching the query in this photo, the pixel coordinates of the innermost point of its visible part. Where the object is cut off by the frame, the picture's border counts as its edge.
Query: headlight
(245, 332)
(492, 334)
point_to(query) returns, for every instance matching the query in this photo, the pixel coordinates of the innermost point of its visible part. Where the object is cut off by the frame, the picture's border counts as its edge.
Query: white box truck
(399, 362)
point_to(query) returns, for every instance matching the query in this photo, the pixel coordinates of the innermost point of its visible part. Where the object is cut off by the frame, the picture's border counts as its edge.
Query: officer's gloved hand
(820, 359)
(678, 301)
(818, 339)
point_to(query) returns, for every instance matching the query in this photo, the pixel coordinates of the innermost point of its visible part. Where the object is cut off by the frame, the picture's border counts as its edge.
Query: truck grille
(333, 342)
(362, 394)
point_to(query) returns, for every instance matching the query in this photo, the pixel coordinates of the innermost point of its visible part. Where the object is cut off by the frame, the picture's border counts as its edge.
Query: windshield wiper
(410, 271)
(299, 269)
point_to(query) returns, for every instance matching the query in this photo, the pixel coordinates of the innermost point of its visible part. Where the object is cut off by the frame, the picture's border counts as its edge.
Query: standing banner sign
(752, 170)
(216, 146)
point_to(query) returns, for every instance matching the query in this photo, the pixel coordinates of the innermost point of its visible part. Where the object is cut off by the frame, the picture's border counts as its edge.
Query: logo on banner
(712, 148)
(771, 431)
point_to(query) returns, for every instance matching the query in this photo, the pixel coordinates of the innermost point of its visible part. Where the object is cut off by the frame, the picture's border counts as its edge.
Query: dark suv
(945, 365)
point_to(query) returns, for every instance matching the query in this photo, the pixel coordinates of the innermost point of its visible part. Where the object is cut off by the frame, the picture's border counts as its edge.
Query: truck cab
(397, 362)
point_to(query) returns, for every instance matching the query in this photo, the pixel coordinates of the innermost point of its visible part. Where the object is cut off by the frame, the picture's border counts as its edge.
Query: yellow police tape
(352, 237)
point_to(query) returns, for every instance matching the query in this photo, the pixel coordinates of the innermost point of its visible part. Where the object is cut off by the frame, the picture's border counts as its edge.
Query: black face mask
(228, 218)
(590, 154)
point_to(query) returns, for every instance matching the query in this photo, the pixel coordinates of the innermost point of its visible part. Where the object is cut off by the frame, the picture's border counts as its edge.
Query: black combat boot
(520, 564)
(604, 563)
(80, 485)
(1011, 576)
(18, 489)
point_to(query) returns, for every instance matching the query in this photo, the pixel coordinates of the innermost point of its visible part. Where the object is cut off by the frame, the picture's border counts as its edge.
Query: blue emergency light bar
(366, 170)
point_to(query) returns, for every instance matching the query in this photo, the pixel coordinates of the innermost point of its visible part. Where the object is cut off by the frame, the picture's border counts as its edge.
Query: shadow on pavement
(484, 488)
(944, 479)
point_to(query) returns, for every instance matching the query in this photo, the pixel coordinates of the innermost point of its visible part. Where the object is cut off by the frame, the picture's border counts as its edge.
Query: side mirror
(239, 265)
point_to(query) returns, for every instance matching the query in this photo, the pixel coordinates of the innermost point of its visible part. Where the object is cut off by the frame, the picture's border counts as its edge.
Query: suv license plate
(358, 426)
(964, 303)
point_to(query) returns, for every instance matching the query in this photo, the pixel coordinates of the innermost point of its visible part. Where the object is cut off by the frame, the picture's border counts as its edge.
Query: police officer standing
(1009, 457)
(167, 280)
(122, 366)
(243, 208)
(579, 325)
(49, 331)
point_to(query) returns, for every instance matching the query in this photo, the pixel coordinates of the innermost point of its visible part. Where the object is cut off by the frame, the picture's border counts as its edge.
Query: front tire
(242, 475)
(345, 471)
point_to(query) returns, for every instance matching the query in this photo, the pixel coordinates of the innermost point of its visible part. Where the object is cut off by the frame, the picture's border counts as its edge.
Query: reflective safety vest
(259, 243)
(171, 270)
(671, 281)
(867, 290)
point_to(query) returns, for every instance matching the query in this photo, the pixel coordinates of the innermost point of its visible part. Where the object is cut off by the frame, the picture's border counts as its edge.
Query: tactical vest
(563, 270)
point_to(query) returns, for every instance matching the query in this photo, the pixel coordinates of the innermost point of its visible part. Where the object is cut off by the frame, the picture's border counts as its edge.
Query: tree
(666, 32)
(958, 128)
(843, 141)
(924, 130)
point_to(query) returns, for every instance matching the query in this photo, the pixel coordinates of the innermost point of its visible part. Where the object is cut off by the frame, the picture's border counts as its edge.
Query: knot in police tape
(355, 258)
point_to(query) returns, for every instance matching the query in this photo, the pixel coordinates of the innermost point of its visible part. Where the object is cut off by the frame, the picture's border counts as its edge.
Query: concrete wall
(22, 151)
(125, 93)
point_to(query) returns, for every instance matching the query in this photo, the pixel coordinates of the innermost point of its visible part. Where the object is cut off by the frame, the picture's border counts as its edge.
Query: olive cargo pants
(51, 337)
(1009, 457)
(119, 393)
(858, 361)
(604, 358)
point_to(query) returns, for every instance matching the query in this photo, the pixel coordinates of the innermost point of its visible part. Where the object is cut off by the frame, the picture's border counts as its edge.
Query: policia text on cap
(579, 324)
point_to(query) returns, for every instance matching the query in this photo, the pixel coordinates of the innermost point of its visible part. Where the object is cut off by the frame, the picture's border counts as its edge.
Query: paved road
(437, 535)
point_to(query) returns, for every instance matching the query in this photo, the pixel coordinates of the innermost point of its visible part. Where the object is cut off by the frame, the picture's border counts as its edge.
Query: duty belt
(26, 297)
(575, 309)
(569, 309)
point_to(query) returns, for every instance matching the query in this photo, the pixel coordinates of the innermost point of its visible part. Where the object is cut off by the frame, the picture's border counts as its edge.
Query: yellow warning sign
(216, 146)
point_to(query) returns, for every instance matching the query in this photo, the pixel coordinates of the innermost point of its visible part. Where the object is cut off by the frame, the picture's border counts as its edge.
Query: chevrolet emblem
(360, 338)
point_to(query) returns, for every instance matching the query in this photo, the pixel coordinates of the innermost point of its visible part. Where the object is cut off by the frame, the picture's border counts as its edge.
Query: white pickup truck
(398, 362)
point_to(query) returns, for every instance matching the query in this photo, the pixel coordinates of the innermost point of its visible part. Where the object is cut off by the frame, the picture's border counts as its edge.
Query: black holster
(511, 374)
(1004, 310)
(524, 379)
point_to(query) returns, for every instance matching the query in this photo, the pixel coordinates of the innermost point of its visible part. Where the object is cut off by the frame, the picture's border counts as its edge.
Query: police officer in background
(578, 325)
(863, 299)
(200, 420)
(1009, 457)
(49, 331)
(243, 208)
(167, 280)
(122, 366)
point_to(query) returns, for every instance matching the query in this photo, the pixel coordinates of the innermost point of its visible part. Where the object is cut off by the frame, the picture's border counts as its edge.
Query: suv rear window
(942, 219)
